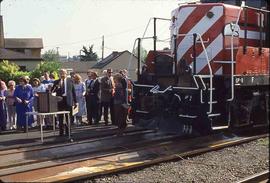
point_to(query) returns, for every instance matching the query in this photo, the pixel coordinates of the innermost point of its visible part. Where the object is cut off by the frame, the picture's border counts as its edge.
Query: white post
(41, 128)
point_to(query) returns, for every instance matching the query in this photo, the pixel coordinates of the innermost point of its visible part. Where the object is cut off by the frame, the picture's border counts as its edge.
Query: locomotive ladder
(199, 80)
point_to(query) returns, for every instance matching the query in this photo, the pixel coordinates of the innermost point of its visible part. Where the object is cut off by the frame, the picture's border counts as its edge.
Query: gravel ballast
(225, 165)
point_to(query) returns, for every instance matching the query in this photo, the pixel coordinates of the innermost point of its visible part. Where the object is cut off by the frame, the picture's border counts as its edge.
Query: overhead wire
(94, 38)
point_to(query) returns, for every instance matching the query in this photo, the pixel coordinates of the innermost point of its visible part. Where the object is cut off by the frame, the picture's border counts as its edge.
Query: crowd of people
(95, 98)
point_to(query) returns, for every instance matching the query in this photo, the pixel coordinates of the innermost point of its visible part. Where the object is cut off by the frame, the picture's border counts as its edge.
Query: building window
(28, 52)
(18, 50)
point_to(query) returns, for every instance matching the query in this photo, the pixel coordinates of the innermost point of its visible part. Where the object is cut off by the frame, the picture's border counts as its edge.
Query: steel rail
(28, 146)
(95, 153)
(58, 152)
(258, 177)
(133, 158)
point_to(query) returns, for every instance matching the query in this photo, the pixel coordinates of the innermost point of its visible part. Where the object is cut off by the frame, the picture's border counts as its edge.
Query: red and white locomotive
(216, 74)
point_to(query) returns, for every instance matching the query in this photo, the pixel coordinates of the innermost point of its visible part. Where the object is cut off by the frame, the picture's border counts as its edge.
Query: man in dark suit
(87, 84)
(106, 89)
(92, 98)
(64, 88)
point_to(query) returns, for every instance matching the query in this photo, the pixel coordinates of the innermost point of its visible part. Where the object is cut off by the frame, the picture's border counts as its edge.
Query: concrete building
(118, 61)
(25, 52)
(80, 67)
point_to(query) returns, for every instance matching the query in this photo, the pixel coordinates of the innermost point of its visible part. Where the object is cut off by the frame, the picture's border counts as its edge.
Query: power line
(93, 39)
(71, 43)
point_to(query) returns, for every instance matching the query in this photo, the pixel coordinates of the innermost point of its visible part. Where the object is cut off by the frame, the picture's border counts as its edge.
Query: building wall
(80, 67)
(2, 40)
(36, 52)
(122, 62)
(28, 64)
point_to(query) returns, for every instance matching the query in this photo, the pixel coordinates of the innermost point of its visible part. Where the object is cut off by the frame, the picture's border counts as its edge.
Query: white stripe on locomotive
(201, 27)
(213, 49)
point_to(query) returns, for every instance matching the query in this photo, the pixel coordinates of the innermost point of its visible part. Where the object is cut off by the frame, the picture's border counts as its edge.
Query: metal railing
(232, 53)
(198, 36)
(243, 6)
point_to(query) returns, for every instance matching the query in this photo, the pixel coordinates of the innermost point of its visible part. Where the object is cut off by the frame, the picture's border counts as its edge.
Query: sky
(70, 24)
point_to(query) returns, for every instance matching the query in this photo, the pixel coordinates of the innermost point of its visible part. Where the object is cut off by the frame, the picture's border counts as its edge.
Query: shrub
(51, 67)
(10, 71)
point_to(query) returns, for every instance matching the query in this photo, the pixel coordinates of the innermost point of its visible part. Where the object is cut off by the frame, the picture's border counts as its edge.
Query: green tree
(11, 71)
(51, 67)
(143, 53)
(51, 55)
(88, 54)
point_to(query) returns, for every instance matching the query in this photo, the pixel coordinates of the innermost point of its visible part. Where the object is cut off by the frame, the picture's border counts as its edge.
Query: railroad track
(117, 158)
(36, 147)
(66, 152)
(262, 177)
(21, 141)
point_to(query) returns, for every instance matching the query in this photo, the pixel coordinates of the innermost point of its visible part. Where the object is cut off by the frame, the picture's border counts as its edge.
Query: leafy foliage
(88, 54)
(51, 67)
(143, 53)
(51, 56)
(11, 71)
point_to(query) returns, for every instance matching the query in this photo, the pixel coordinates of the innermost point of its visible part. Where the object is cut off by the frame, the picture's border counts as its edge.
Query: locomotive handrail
(201, 100)
(149, 21)
(204, 87)
(257, 9)
(200, 76)
(131, 56)
(232, 47)
(207, 41)
(196, 83)
(184, 88)
(154, 89)
(209, 67)
(167, 89)
(141, 85)
(232, 53)
(142, 38)
(146, 28)
(178, 97)
(211, 75)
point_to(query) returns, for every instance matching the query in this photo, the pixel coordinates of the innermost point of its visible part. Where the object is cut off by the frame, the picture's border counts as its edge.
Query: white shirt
(65, 84)
(40, 88)
(87, 82)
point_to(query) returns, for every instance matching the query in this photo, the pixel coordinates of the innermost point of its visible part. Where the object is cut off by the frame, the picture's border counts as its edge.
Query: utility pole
(57, 51)
(102, 48)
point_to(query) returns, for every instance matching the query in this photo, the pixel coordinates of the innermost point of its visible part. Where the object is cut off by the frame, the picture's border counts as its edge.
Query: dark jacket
(106, 89)
(70, 95)
(92, 91)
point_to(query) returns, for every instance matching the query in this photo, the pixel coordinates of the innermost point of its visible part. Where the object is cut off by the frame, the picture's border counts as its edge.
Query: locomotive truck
(215, 74)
